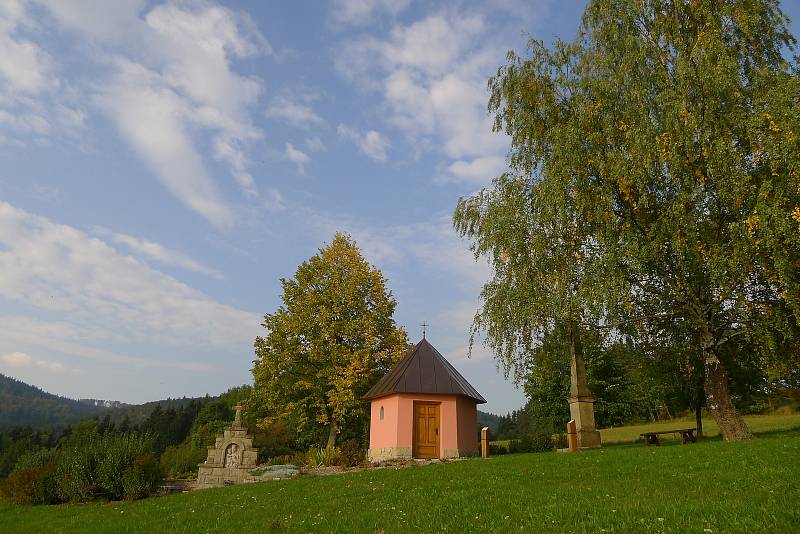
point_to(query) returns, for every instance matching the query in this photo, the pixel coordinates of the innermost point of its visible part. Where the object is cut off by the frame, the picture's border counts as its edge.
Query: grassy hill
(710, 486)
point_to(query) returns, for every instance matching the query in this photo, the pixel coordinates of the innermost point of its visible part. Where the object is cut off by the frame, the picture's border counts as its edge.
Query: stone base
(589, 439)
(581, 409)
(388, 453)
(398, 453)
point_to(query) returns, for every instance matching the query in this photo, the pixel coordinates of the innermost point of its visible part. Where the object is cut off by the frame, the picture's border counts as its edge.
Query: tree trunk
(718, 400)
(332, 435)
(698, 418)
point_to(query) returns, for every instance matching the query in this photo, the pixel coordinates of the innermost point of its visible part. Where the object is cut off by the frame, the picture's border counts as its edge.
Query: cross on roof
(424, 325)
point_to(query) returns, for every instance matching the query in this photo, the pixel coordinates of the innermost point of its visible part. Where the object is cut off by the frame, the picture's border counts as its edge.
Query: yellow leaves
(752, 224)
(773, 126)
(796, 215)
(623, 126)
(700, 176)
(664, 140)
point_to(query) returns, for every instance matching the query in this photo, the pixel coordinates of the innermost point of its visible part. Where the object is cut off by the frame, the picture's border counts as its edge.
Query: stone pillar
(581, 403)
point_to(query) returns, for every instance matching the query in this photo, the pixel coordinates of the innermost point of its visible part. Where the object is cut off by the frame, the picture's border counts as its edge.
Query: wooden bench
(687, 436)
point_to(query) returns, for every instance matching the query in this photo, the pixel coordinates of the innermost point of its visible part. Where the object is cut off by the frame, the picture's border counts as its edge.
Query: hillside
(23, 404)
(488, 419)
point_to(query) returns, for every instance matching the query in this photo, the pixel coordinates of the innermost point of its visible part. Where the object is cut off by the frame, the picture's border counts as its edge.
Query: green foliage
(333, 337)
(654, 182)
(142, 478)
(95, 465)
(181, 461)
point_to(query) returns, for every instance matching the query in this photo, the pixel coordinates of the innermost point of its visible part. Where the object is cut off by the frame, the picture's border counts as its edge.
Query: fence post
(485, 442)
(572, 436)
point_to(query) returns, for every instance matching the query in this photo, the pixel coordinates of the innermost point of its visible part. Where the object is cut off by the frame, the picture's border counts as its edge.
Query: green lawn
(709, 486)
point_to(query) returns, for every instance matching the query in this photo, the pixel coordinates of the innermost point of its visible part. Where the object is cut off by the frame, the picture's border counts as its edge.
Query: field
(710, 486)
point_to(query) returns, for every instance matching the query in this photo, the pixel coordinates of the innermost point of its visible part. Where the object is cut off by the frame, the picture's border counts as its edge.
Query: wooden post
(485, 442)
(572, 436)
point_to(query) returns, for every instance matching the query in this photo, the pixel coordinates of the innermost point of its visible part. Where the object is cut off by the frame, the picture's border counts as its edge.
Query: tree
(330, 341)
(673, 126)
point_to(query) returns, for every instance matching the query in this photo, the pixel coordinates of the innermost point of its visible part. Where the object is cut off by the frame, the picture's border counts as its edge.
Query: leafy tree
(667, 132)
(333, 337)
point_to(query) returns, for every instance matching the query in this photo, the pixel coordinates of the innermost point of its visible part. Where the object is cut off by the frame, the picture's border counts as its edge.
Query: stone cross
(237, 422)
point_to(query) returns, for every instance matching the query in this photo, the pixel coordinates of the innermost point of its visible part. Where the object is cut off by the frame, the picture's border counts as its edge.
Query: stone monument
(230, 459)
(581, 402)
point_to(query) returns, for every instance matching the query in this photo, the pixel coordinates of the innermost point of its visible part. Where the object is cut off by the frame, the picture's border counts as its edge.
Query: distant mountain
(488, 419)
(23, 404)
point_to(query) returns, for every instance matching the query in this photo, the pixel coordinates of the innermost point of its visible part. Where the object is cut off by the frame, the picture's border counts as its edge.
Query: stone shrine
(230, 459)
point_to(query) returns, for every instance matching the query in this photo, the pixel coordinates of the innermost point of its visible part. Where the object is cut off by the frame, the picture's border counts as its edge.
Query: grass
(709, 486)
(758, 424)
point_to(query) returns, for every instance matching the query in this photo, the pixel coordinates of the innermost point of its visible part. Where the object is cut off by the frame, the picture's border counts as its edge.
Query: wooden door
(426, 430)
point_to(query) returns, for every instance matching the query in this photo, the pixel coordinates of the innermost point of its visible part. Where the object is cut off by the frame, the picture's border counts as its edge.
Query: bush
(95, 465)
(560, 441)
(141, 479)
(181, 461)
(536, 442)
(540, 442)
(495, 449)
(352, 454)
(34, 485)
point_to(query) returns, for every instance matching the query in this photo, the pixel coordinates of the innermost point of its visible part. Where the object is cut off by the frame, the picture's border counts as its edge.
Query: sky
(164, 164)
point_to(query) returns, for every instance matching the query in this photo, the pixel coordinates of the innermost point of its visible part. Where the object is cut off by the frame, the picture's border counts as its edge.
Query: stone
(275, 472)
(581, 404)
(230, 459)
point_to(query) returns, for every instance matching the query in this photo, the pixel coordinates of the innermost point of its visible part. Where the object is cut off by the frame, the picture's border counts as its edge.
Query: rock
(275, 472)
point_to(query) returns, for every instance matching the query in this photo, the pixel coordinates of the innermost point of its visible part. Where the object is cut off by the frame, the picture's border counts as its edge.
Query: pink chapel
(423, 408)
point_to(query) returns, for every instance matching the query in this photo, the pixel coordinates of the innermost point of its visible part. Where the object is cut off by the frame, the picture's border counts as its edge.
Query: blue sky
(164, 164)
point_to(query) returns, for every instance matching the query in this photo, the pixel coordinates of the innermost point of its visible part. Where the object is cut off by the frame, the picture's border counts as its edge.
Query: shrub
(95, 465)
(495, 449)
(539, 442)
(33, 485)
(560, 441)
(180, 461)
(142, 478)
(352, 454)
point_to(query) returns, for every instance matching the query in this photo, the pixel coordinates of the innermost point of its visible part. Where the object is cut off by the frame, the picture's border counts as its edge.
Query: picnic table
(687, 436)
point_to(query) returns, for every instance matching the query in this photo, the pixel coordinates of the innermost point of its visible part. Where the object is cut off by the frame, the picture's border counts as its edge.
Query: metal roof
(424, 370)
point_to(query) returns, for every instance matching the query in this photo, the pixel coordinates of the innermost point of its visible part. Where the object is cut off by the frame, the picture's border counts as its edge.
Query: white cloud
(33, 101)
(57, 269)
(355, 12)
(315, 144)
(297, 157)
(371, 143)
(151, 118)
(161, 254)
(298, 114)
(478, 171)
(432, 78)
(24, 66)
(173, 89)
(16, 360)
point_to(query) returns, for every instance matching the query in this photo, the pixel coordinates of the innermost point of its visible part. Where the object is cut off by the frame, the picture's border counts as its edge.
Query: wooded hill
(22, 404)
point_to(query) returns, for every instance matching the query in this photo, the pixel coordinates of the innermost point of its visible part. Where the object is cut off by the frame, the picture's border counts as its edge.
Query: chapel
(423, 408)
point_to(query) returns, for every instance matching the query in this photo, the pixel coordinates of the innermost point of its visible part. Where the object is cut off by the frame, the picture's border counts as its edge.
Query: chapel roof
(424, 370)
